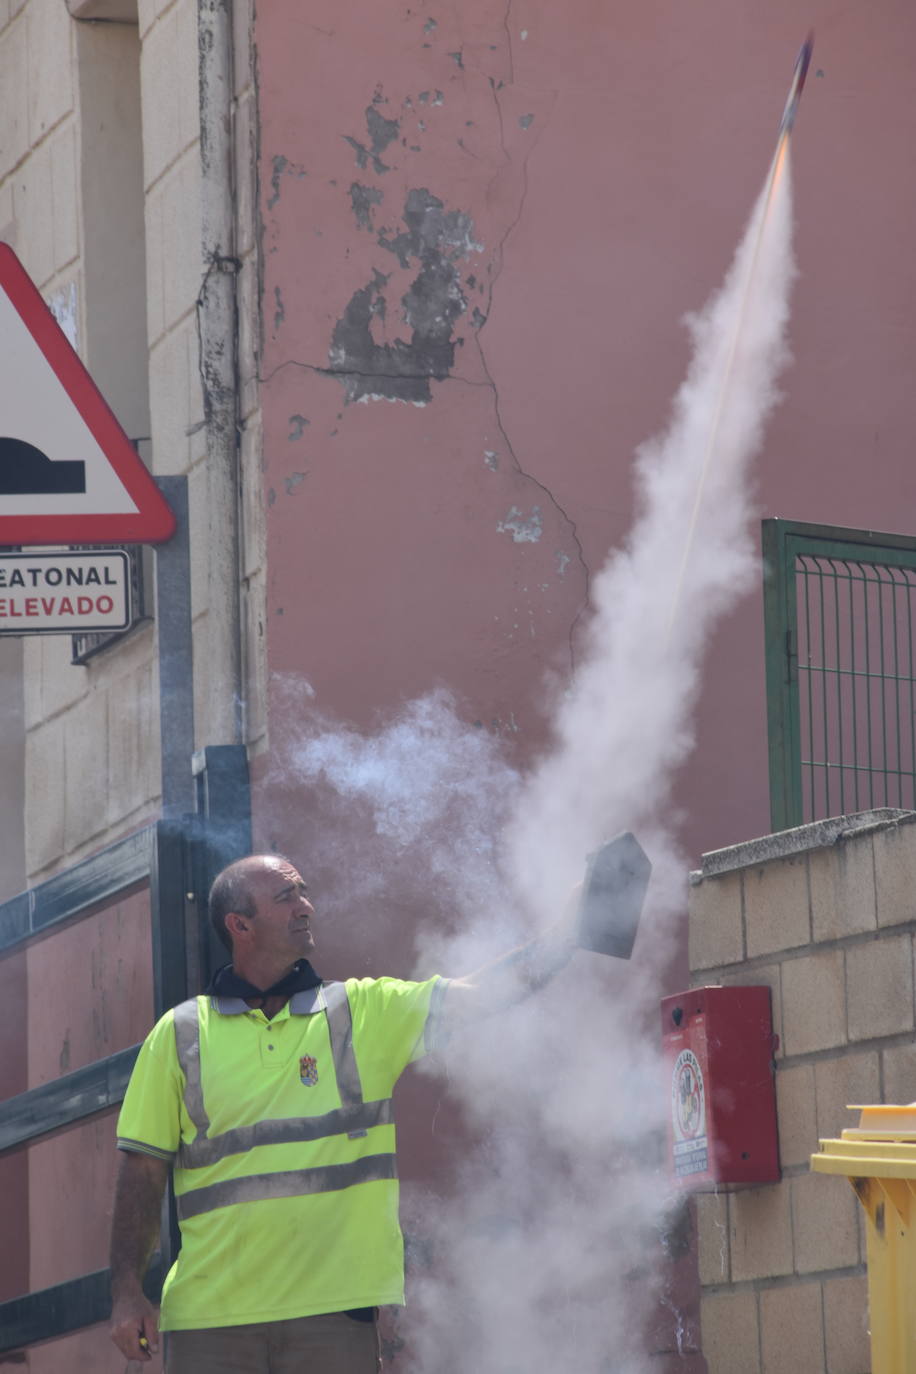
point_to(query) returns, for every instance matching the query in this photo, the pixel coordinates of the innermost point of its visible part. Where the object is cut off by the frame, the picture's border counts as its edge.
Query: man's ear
(237, 924)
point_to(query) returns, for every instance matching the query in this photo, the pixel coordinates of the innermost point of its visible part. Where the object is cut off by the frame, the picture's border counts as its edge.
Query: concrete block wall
(825, 916)
(110, 230)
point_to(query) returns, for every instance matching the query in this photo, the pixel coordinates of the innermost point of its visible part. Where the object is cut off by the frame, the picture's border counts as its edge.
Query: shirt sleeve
(150, 1117)
(394, 1024)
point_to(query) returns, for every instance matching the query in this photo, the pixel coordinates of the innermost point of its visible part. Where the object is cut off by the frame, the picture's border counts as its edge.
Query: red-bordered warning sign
(68, 472)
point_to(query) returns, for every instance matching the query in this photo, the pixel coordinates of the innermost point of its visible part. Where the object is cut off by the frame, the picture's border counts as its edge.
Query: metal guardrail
(840, 625)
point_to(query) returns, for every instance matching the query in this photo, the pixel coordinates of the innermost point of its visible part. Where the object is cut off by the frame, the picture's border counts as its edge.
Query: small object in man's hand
(616, 879)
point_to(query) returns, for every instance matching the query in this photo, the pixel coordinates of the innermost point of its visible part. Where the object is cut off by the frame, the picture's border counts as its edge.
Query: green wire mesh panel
(841, 670)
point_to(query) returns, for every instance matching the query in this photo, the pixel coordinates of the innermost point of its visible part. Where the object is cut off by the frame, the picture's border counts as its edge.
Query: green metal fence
(839, 611)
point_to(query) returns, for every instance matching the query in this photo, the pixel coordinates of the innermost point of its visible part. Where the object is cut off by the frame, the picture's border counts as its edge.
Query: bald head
(234, 890)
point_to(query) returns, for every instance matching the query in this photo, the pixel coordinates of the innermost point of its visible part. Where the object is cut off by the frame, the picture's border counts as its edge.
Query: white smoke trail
(541, 1250)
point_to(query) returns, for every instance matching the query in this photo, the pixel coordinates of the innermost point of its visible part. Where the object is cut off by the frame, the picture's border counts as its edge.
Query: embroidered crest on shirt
(308, 1071)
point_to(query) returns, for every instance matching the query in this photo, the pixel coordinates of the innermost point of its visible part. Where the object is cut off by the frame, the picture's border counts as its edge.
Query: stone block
(155, 267)
(899, 1074)
(716, 924)
(760, 1233)
(846, 1325)
(34, 221)
(187, 74)
(44, 796)
(51, 65)
(879, 982)
(64, 196)
(133, 744)
(814, 1002)
(730, 1333)
(796, 1113)
(712, 1238)
(851, 1078)
(86, 769)
(776, 906)
(13, 101)
(791, 1331)
(160, 77)
(843, 889)
(63, 683)
(181, 230)
(824, 1224)
(169, 401)
(895, 874)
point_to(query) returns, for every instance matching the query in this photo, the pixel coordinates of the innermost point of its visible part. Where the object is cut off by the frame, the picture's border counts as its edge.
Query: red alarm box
(719, 1045)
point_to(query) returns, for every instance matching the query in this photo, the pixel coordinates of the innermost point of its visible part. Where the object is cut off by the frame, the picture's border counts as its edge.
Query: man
(270, 1098)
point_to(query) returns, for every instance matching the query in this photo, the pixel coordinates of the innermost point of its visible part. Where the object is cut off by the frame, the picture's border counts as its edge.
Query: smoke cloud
(541, 1255)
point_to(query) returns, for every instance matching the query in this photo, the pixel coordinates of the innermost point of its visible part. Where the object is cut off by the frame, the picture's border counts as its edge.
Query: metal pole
(176, 655)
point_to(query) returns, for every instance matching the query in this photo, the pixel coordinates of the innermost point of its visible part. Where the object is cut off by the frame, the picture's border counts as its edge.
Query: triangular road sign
(68, 472)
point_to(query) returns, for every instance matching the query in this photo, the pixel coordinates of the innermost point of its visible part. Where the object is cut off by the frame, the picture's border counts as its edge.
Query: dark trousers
(330, 1344)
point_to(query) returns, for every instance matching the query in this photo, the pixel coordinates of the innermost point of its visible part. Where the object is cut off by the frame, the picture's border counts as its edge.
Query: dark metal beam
(38, 1112)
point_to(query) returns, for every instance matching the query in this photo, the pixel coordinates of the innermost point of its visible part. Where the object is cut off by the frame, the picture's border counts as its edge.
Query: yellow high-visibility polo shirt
(285, 1178)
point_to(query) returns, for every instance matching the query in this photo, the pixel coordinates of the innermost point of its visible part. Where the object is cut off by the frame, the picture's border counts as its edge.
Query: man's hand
(135, 1326)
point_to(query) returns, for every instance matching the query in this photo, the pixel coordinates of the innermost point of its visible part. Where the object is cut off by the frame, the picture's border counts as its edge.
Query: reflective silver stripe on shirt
(328, 1178)
(197, 1154)
(187, 1046)
(340, 1029)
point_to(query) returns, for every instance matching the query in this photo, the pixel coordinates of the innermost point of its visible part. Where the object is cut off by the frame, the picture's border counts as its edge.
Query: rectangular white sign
(64, 593)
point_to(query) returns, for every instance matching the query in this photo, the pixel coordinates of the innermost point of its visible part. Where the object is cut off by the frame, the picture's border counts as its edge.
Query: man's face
(282, 911)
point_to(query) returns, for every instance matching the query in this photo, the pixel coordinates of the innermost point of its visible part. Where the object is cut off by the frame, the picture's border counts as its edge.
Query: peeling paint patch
(491, 458)
(430, 26)
(280, 311)
(62, 305)
(280, 167)
(294, 480)
(562, 563)
(525, 121)
(362, 199)
(271, 496)
(297, 424)
(435, 239)
(381, 132)
(523, 531)
(458, 58)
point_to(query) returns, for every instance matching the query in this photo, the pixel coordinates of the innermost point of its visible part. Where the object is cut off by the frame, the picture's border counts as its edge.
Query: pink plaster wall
(606, 160)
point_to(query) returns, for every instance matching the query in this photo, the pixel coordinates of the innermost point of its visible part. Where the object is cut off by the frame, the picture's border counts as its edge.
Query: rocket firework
(798, 85)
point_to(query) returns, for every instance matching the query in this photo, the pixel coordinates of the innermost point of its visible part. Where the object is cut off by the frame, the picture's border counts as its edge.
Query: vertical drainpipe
(218, 336)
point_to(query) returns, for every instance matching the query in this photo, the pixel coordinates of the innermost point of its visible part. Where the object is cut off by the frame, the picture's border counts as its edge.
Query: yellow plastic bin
(879, 1158)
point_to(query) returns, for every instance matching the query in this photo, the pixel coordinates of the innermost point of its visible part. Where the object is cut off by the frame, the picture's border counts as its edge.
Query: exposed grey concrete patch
(362, 198)
(434, 238)
(381, 132)
(457, 58)
(438, 98)
(491, 458)
(430, 26)
(280, 311)
(525, 121)
(523, 531)
(563, 561)
(294, 480)
(280, 167)
(815, 835)
(297, 424)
